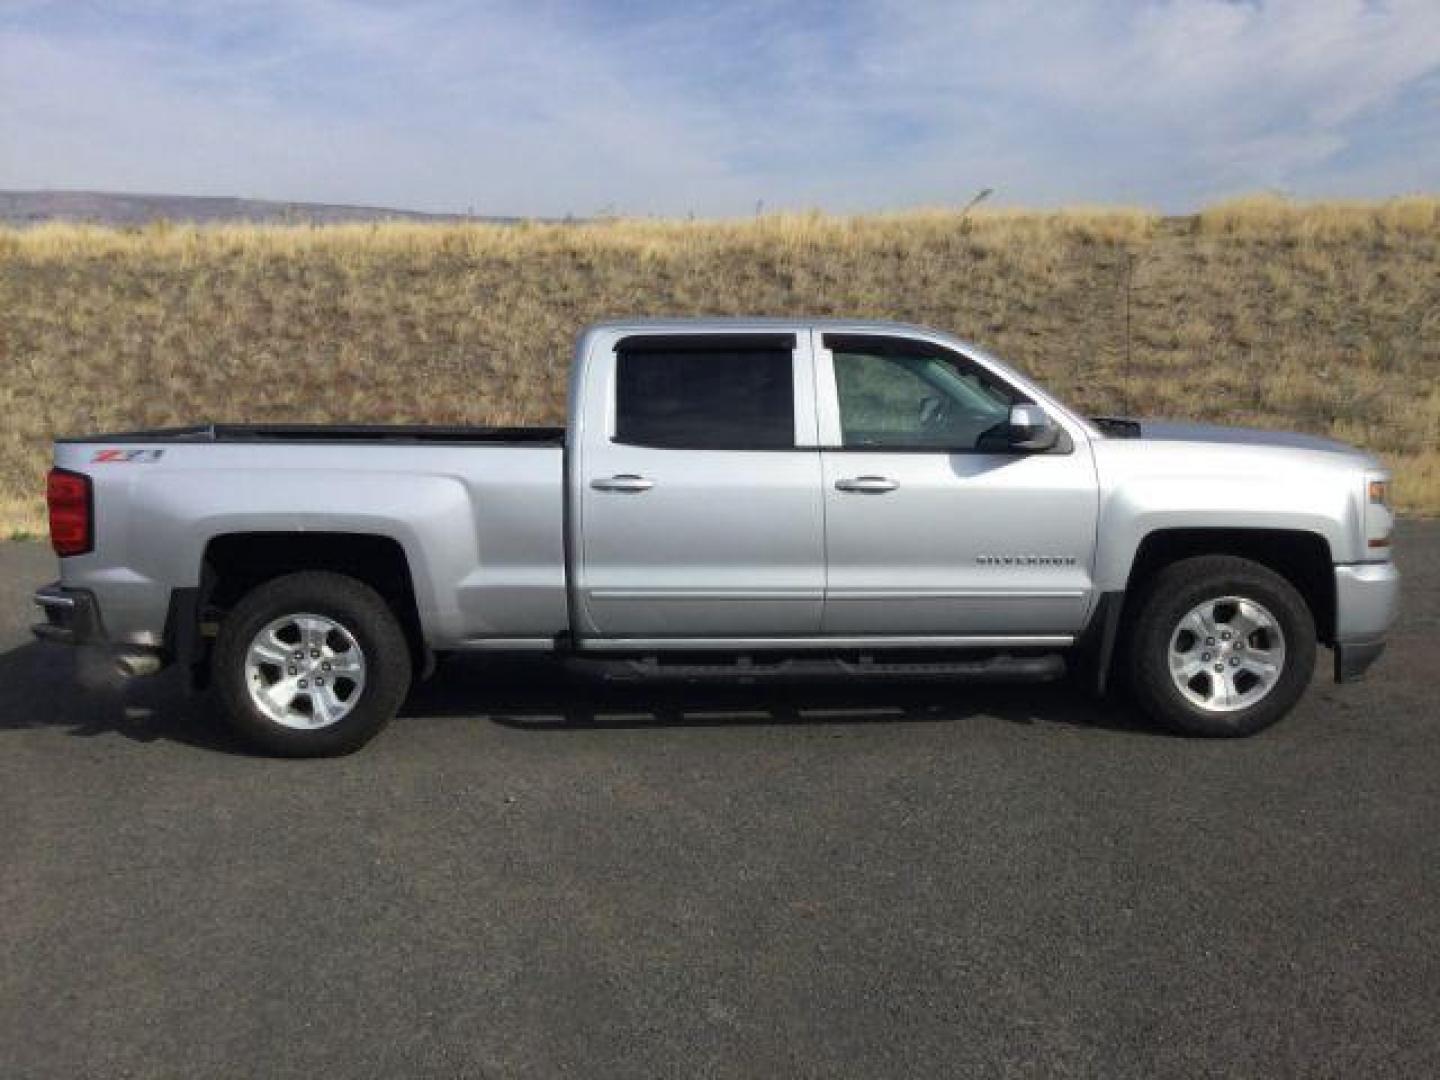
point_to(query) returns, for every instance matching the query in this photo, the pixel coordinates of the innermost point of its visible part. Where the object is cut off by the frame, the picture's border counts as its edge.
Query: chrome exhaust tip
(131, 664)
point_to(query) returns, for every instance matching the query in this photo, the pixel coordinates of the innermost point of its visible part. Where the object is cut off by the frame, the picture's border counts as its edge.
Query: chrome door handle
(623, 482)
(874, 485)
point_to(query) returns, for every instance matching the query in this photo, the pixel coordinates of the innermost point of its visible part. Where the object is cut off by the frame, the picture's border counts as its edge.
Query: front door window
(913, 400)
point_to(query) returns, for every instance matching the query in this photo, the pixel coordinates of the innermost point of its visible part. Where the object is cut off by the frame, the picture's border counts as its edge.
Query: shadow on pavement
(55, 686)
(544, 695)
(50, 686)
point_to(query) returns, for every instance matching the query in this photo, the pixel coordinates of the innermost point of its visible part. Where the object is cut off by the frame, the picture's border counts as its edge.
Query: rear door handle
(873, 485)
(623, 482)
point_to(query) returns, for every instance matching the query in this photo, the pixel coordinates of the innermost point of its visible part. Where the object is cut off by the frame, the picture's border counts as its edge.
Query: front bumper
(1353, 659)
(1367, 599)
(72, 617)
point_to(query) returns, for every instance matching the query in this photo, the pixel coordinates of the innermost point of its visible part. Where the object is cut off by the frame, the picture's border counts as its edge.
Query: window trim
(800, 396)
(828, 393)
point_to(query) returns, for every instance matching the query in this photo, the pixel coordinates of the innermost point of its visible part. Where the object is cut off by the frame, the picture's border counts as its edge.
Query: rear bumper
(72, 617)
(1367, 599)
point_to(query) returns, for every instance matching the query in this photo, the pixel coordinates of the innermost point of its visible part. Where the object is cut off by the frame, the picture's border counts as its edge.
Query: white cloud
(547, 108)
(1190, 97)
(346, 103)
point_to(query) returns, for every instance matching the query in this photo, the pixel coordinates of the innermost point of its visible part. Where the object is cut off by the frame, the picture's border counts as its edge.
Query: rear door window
(707, 395)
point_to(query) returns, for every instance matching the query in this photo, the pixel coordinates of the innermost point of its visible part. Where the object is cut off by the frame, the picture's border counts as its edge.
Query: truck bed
(332, 433)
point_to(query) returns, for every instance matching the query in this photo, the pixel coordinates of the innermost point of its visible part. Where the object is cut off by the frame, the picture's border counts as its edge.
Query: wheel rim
(305, 671)
(1227, 654)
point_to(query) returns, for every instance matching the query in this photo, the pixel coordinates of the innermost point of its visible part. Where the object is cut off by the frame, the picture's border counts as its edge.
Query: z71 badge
(136, 457)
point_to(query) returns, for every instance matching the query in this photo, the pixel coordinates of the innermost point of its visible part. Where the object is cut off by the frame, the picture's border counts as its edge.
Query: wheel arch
(1300, 556)
(234, 563)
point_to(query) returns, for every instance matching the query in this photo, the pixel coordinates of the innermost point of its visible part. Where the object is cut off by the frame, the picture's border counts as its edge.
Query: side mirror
(1031, 428)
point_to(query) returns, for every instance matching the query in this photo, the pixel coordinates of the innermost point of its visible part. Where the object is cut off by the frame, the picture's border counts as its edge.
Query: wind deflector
(708, 342)
(880, 345)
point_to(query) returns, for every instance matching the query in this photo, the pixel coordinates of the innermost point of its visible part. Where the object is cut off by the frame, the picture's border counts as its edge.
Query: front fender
(1141, 507)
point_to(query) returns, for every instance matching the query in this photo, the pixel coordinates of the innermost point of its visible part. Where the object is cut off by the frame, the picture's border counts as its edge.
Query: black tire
(362, 614)
(1178, 589)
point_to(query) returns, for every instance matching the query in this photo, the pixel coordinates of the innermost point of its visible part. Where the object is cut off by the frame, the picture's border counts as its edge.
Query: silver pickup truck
(750, 495)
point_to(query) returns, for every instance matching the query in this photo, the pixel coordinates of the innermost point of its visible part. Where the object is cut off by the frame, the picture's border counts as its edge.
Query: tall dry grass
(1318, 317)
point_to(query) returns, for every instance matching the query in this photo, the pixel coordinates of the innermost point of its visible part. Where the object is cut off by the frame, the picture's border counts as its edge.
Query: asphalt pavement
(533, 873)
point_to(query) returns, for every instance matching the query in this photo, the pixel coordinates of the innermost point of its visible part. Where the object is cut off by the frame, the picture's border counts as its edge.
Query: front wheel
(1222, 646)
(311, 664)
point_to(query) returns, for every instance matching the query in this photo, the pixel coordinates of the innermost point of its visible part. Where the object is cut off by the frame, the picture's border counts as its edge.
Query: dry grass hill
(1323, 317)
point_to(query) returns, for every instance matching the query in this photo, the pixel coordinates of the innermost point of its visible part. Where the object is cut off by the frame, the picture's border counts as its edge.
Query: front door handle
(873, 485)
(623, 482)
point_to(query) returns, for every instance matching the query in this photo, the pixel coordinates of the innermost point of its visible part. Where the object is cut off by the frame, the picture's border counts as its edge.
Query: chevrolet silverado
(751, 495)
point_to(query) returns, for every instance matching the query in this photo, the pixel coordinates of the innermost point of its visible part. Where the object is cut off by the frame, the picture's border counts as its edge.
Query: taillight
(72, 519)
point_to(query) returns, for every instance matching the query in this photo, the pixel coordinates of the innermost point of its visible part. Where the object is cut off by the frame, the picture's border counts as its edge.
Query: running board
(1000, 667)
(737, 646)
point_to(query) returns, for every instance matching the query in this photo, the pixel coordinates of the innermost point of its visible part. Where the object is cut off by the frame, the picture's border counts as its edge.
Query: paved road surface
(535, 875)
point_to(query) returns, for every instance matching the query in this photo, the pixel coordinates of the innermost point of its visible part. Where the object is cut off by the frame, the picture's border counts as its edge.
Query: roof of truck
(734, 322)
(721, 324)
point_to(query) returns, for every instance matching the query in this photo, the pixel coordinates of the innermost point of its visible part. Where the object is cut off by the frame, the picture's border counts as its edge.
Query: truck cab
(822, 486)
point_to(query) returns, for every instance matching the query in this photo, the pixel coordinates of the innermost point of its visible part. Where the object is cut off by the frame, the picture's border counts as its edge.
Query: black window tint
(739, 399)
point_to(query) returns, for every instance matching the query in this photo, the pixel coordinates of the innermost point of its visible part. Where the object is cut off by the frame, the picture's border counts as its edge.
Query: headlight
(1379, 518)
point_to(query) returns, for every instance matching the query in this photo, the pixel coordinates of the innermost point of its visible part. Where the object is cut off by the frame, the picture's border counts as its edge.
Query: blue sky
(549, 107)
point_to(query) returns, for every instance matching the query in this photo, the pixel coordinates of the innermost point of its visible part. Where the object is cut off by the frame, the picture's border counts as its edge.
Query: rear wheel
(1222, 646)
(311, 664)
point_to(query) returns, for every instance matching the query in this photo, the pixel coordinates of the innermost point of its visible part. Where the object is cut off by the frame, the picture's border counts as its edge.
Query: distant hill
(112, 208)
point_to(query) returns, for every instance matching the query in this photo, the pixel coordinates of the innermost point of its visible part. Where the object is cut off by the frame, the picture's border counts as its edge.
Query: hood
(1176, 431)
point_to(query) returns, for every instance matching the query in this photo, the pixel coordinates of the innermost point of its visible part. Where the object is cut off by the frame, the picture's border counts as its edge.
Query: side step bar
(1000, 667)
